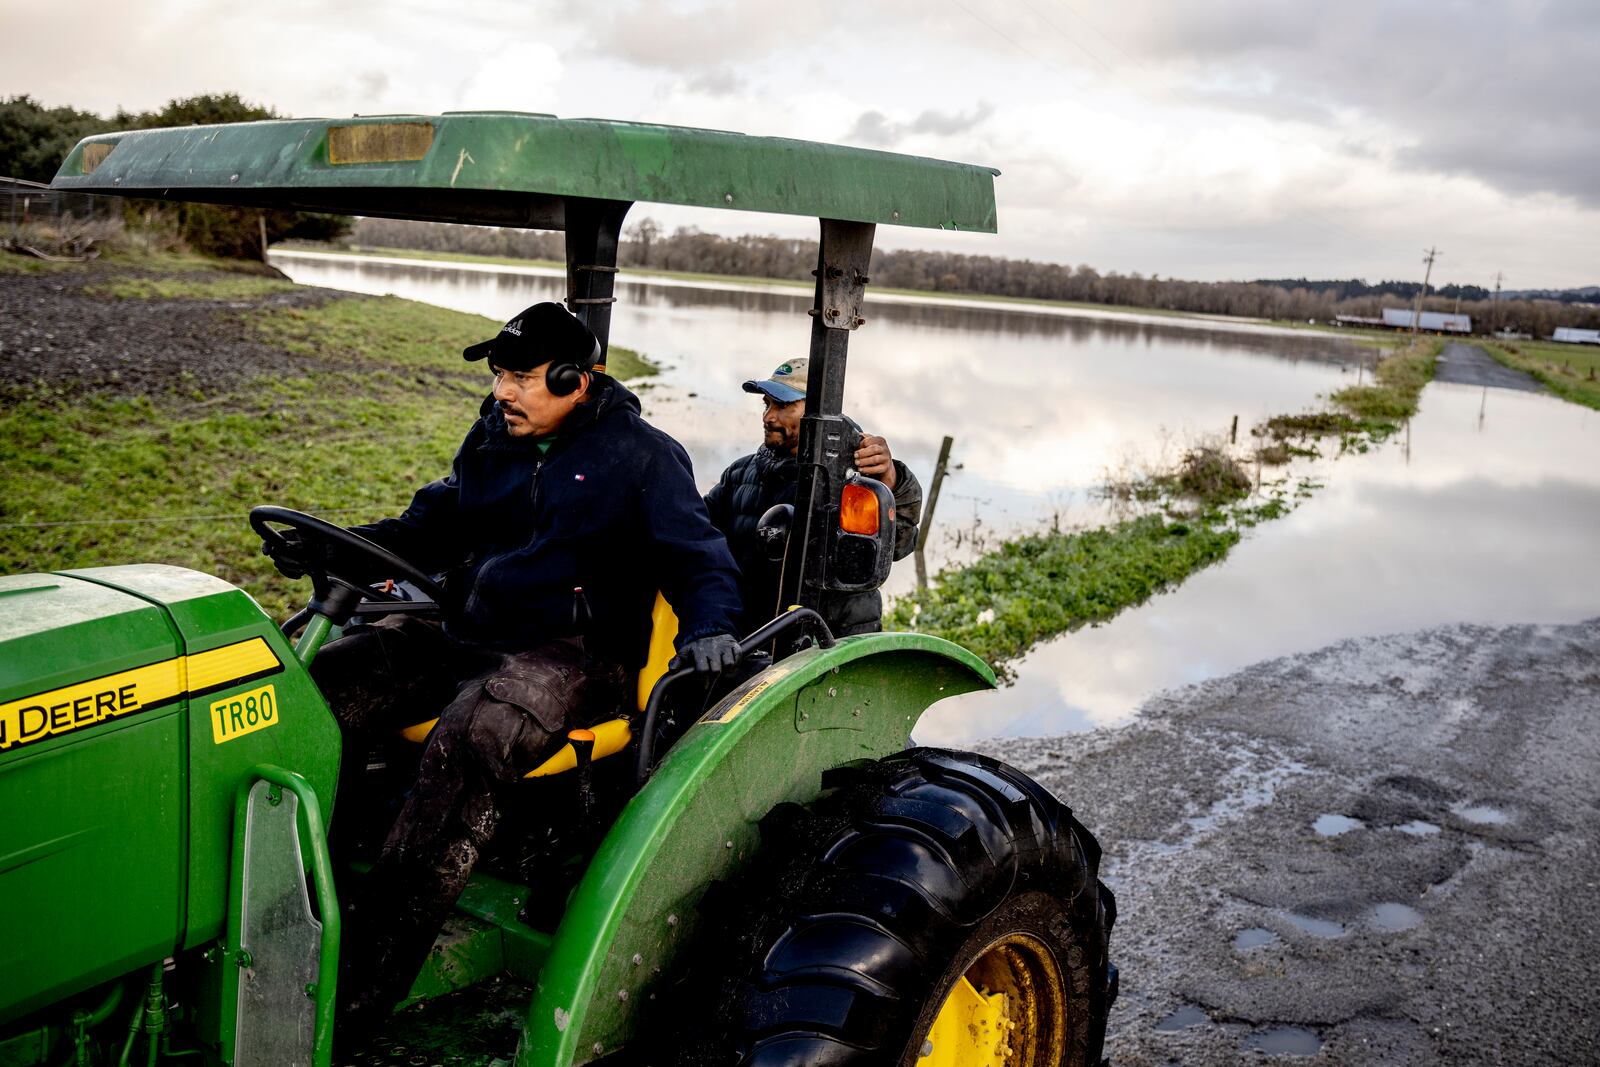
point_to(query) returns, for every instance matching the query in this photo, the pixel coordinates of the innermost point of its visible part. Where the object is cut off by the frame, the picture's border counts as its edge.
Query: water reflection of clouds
(1493, 526)
(1041, 405)
(1489, 519)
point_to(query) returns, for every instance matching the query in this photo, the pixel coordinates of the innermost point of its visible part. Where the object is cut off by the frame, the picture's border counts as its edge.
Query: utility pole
(1494, 305)
(1416, 312)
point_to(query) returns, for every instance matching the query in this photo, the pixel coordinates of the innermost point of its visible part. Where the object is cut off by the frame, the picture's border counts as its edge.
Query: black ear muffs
(564, 379)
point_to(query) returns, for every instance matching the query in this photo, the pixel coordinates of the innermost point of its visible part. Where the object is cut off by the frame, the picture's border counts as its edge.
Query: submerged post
(933, 502)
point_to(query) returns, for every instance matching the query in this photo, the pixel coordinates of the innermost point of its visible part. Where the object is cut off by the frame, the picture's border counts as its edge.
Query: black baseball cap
(543, 333)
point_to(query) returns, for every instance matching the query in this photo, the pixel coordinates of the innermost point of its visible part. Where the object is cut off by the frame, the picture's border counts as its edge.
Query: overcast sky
(1224, 139)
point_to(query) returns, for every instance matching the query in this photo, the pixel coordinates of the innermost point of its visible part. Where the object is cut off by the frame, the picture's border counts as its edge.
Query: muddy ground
(58, 335)
(1383, 852)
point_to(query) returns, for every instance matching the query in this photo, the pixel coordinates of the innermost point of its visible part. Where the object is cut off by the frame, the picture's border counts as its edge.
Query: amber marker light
(858, 510)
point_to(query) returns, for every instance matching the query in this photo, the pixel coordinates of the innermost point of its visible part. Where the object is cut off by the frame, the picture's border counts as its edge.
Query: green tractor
(775, 878)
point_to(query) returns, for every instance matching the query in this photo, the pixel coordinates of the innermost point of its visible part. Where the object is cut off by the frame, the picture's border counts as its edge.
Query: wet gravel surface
(55, 335)
(1383, 852)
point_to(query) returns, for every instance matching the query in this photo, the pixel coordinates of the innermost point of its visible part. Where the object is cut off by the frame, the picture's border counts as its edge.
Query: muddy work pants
(500, 715)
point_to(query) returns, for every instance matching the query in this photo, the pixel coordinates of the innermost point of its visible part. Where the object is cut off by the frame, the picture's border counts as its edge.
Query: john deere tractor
(765, 876)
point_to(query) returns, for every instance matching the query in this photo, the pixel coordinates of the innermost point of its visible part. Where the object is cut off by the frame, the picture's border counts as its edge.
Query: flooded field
(1482, 512)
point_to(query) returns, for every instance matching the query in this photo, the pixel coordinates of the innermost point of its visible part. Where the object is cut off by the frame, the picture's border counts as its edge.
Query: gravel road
(1383, 852)
(1467, 364)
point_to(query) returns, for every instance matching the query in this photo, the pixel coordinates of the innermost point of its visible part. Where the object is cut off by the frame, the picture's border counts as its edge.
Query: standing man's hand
(873, 459)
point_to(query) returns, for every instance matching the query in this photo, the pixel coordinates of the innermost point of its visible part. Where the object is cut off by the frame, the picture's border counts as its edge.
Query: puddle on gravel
(1182, 1019)
(1331, 825)
(1482, 814)
(1418, 828)
(1255, 937)
(1390, 917)
(1284, 1041)
(1322, 928)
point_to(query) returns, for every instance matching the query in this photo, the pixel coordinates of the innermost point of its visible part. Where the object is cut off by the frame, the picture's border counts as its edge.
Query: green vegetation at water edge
(1041, 586)
(1572, 372)
(1366, 413)
(1397, 390)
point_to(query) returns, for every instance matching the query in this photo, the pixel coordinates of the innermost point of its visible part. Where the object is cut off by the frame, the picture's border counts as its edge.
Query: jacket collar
(770, 461)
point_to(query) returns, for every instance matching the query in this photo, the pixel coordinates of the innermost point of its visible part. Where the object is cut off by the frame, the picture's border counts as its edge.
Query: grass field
(103, 478)
(1572, 372)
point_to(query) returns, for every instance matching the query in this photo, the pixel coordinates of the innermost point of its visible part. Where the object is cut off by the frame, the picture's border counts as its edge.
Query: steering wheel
(338, 597)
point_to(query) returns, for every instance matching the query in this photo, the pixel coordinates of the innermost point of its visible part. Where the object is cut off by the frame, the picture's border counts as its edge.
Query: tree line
(646, 246)
(34, 140)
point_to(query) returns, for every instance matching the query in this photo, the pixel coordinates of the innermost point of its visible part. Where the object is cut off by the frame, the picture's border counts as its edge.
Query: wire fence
(24, 202)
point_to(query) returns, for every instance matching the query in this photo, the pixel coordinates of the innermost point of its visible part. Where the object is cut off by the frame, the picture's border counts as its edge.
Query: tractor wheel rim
(1008, 1009)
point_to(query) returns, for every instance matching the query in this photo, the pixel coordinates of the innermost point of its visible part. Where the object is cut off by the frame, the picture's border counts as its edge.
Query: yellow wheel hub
(1007, 1010)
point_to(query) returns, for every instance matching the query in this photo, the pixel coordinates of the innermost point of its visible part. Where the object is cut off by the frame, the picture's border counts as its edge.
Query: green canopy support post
(843, 256)
(594, 229)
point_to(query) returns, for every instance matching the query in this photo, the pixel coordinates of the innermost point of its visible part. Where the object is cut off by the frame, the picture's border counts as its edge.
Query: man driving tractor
(563, 514)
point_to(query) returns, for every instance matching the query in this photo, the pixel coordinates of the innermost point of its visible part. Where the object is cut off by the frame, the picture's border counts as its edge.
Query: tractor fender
(696, 822)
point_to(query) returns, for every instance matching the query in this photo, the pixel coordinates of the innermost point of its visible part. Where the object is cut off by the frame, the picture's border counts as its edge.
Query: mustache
(507, 409)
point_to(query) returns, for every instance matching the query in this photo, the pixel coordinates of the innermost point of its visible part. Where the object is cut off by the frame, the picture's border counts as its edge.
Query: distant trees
(34, 140)
(688, 249)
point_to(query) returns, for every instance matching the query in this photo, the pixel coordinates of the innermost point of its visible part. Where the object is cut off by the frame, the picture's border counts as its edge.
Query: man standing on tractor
(770, 476)
(563, 514)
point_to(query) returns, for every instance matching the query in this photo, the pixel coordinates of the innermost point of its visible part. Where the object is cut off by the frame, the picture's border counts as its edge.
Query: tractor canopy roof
(518, 169)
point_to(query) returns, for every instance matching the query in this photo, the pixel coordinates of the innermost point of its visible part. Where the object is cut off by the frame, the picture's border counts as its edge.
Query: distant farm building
(1574, 336)
(1431, 321)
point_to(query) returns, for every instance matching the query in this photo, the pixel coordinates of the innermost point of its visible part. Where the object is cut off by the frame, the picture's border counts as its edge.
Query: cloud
(718, 81)
(877, 129)
(681, 37)
(1501, 93)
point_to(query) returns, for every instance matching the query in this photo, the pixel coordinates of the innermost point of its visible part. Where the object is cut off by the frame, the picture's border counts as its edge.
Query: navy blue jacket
(611, 506)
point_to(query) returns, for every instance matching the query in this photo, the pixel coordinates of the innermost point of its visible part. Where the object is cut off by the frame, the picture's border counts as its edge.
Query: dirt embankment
(1383, 852)
(60, 331)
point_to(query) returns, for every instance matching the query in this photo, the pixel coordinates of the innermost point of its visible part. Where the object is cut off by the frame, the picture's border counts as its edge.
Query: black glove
(291, 556)
(707, 655)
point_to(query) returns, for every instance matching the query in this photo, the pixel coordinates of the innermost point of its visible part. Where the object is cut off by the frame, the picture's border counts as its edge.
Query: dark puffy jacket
(756, 482)
(611, 506)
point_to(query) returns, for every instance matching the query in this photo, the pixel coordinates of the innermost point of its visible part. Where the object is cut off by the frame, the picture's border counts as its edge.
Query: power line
(1096, 60)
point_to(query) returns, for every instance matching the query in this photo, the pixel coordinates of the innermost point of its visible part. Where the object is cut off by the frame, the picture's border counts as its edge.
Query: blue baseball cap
(787, 384)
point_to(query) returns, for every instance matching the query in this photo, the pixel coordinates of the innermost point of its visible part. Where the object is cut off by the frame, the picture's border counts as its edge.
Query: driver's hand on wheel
(291, 555)
(707, 655)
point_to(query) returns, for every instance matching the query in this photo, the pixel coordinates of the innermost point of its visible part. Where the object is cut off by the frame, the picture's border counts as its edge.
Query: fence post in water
(927, 515)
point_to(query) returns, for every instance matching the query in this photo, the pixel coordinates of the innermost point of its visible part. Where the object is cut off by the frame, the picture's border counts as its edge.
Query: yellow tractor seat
(612, 736)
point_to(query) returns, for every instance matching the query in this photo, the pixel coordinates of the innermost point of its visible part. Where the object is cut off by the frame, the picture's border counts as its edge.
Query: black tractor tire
(841, 943)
